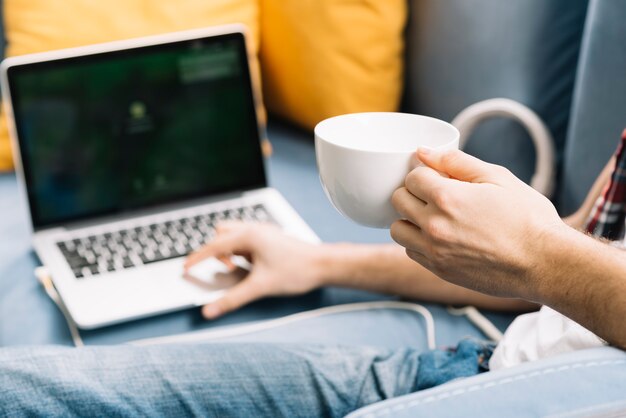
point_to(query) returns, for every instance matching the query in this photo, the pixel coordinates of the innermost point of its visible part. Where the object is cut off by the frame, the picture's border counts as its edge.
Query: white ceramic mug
(363, 158)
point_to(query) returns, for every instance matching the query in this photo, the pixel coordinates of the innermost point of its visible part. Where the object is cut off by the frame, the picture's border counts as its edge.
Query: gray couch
(461, 52)
(458, 52)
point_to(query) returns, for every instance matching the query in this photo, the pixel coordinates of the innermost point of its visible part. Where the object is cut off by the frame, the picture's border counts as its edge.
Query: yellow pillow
(43, 25)
(322, 58)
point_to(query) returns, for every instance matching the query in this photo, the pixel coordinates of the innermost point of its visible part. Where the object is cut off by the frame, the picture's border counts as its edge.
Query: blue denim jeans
(219, 379)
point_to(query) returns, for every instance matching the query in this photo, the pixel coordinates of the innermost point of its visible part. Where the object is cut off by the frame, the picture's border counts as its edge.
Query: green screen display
(124, 130)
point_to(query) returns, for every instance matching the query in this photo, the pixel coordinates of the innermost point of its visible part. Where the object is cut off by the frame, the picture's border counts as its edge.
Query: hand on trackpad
(213, 274)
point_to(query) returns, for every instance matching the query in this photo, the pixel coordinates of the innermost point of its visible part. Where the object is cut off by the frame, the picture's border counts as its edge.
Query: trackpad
(214, 275)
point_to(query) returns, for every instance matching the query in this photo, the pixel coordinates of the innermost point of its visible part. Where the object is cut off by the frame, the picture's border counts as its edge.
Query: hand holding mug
(480, 227)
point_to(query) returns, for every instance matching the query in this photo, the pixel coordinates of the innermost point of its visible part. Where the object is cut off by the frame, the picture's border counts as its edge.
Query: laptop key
(90, 257)
(127, 263)
(180, 248)
(77, 262)
(146, 259)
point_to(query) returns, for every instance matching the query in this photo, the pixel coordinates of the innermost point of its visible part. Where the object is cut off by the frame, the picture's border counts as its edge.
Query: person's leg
(204, 379)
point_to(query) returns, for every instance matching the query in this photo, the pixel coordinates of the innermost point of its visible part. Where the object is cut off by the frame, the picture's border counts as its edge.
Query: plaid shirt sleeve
(608, 215)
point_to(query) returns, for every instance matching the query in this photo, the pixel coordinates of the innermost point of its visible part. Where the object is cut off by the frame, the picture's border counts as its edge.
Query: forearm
(387, 269)
(584, 279)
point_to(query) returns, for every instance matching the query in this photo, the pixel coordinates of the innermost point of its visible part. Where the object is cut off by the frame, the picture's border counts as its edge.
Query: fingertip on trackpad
(212, 273)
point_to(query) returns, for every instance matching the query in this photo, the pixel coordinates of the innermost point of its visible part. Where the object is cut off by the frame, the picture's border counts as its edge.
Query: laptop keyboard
(119, 250)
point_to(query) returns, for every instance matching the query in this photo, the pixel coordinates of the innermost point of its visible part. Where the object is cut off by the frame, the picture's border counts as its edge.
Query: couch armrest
(583, 383)
(470, 117)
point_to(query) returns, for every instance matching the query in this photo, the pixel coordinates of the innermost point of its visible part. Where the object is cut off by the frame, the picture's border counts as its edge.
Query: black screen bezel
(259, 180)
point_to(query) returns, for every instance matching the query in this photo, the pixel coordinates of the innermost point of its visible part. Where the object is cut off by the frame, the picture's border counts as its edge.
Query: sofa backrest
(460, 52)
(3, 40)
(599, 110)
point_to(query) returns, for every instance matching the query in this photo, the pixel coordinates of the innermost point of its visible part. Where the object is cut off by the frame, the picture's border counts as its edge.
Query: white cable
(479, 320)
(42, 276)
(472, 314)
(232, 331)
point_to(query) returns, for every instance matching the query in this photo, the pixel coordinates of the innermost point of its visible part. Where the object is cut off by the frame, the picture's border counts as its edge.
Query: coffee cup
(363, 158)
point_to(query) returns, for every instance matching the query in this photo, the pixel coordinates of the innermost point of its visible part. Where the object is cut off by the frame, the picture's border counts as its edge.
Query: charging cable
(472, 314)
(237, 330)
(479, 320)
(44, 278)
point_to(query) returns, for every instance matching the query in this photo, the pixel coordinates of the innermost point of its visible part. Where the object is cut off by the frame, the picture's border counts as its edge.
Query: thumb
(457, 164)
(241, 294)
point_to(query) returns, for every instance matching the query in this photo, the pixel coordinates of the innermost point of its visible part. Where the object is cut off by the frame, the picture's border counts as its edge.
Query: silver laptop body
(128, 153)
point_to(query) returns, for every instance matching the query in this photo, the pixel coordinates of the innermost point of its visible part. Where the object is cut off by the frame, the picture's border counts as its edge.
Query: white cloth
(539, 335)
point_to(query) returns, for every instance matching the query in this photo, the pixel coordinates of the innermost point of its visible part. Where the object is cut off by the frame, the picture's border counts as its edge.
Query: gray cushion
(2, 37)
(460, 52)
(599, 111)
(584, 383)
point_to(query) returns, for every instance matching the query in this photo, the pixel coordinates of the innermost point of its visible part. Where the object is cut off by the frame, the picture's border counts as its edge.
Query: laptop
(128, 154)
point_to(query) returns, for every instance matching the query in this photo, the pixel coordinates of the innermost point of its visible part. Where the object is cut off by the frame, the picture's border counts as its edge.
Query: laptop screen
(123, 130)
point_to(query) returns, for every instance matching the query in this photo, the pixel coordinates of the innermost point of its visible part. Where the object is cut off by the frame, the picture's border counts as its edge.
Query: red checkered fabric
(607, 217)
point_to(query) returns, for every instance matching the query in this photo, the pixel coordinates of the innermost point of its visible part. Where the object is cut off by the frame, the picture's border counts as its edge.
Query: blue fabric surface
(581, 384)
(201, 380)
(217, 380)
(27, 316)
(384, 328)
(470, 357)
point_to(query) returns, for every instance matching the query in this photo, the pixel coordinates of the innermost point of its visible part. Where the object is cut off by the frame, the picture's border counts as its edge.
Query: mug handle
(544, 178)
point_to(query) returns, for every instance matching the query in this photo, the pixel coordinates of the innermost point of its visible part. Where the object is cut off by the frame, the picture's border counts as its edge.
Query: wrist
(582, 278)
(328, 263)
(555, 260)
